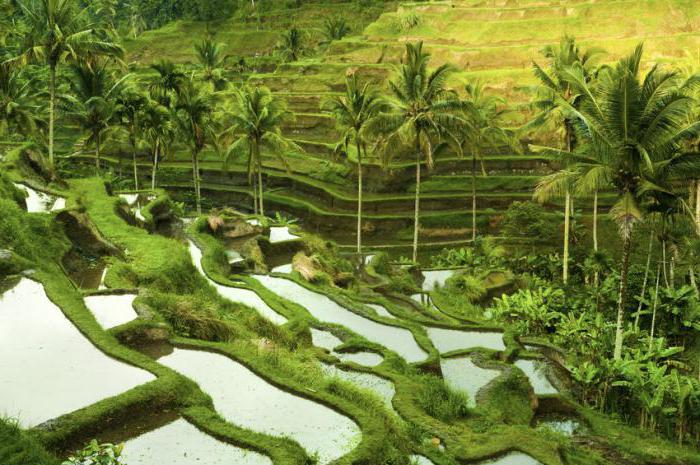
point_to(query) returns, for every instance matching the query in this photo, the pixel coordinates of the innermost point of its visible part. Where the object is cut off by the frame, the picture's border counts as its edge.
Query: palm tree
(195, 118)
(93, 103)
(159, 131)
(335, 29)
(168, 82)
(131, 107)
(59, 31)
(421, 113)
(292, 46)
(630, 134)
(257, 116)
(211, 59)
(553, 90)
(17, 109)
(485, 115)
(353, 112)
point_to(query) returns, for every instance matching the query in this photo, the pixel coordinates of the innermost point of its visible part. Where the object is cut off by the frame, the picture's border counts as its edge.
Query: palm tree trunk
(155, 168)
(359, 198)
(52, 104)
(97, 152)
(195, 177)
(595, 232)
(565, 261)
(473, 198)
(622, 298)
(133, 159)
(654, 306)
(416, 217)
(646, 277)
(697, 207)
(260, 179)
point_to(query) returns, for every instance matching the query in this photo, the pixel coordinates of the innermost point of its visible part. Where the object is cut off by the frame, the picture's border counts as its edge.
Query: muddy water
(323, 308)
(281, 234)
(235, 294)
(463, 375)
(513, 458)
(112, 310)
(447, 340)
(383, 388)
(536, 373)
(436, 278)
(41, 202)
(247, 400)
(180, 443)
(38, 343)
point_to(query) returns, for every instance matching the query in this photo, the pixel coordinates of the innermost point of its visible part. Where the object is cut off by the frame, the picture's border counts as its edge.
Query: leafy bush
(528, 219)
(468, 285)
(530, 312)
(97, 454)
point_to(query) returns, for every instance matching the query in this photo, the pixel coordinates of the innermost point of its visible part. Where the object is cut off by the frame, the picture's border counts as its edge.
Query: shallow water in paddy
(536, 373)
(41, 202)
(236, 294)
(514, 458)
(383, 388)
(38, 343)
(286, 268)
(436, 278)
(281, 234)
(399, 340)
(181, 443)
(326, 340)
(463, 375)
(112, 310)
(381, 310)
(420, 460)
(447, 340)
(247, 400)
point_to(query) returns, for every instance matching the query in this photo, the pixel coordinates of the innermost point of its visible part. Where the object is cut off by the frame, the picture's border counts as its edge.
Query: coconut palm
(353, 112)
(167, 83)
(93, 101)
(158, 131)
(195, 118)
(485, 115)
(59, 31)
(552, 91)
(256, 119)
(211, 59)
(293, 45)
(630, 135)
(131, 106)
(421, 113)
(17, 109)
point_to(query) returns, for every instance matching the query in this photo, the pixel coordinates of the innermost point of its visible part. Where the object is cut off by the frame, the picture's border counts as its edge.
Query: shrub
(441, 402)
(468, 285)
(528, 219)
(531, 312)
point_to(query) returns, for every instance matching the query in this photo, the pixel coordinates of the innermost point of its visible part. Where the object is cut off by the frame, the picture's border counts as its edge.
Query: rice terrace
(349, 232)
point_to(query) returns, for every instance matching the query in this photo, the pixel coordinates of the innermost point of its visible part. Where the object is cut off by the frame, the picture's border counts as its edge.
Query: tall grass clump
(441, 402)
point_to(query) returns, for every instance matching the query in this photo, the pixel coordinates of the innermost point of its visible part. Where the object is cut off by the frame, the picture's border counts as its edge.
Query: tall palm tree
(59, 31)
(353, 112)
(132, 103)
(159, 131)
(211, 59)
(93, 102)
(421, 113)
(630, 134)
(485, 115)
(554, 89)
(167, 83)
(18, 111)
(195, 117)
(256, 116)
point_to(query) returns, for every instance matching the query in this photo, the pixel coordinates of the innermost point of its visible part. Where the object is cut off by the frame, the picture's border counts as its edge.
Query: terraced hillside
(492, 41)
